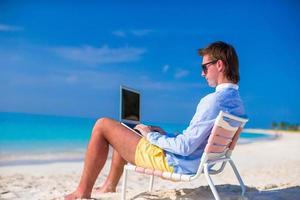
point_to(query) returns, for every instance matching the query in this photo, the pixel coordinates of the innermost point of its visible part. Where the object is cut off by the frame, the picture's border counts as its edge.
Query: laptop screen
(130, 105)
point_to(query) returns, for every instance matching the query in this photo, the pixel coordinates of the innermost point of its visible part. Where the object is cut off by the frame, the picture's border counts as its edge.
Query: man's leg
(115, 173)
(106, 131)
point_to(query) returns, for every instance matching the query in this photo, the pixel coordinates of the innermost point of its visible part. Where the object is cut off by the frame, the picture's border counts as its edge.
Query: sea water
(29, 134)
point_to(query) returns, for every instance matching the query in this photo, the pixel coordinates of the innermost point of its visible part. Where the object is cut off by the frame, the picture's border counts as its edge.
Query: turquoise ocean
(31, 134)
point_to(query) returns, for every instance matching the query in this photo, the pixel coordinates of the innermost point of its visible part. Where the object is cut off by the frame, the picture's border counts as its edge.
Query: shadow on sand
(226, 192)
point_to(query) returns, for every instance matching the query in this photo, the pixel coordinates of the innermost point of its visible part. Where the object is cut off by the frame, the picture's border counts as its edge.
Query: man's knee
(103, 122)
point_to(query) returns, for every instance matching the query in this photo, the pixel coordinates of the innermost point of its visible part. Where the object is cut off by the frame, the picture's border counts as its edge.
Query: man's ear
(220, 66)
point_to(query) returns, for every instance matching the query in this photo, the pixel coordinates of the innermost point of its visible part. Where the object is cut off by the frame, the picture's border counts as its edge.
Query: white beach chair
(221, 142)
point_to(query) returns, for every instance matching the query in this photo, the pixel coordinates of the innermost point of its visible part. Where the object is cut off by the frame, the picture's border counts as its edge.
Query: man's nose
(202, 73)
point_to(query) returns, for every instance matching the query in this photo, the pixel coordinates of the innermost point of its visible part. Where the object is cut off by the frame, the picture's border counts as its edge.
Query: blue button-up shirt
(184, 151)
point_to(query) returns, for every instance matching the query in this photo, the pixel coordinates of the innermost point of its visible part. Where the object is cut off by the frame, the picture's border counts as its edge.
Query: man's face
(210, 71)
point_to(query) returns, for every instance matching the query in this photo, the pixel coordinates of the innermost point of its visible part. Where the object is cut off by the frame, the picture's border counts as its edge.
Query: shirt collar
(223, 86)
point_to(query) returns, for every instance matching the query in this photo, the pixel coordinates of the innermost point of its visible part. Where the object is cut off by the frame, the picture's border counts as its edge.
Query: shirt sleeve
(183, 144)
(196, 134)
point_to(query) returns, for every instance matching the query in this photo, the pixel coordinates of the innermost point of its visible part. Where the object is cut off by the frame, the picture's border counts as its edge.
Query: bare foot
(71, 196)
(105, 189)
(74, 196)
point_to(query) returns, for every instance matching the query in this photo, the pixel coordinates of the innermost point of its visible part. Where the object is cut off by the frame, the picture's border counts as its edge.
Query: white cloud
(162, 85)
(71, 79)
(102, 55)
(92, 79)
(136, 32)
(141, 32)
(9, 28)
(62, 79)
(166, 68)
(112, 80)
(119, 33)
(181, 73)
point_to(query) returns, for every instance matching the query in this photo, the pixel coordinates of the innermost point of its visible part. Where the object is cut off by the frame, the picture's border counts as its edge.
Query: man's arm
(183, 144)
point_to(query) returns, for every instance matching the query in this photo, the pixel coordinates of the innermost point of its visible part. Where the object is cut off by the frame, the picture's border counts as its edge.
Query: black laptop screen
(130, 105)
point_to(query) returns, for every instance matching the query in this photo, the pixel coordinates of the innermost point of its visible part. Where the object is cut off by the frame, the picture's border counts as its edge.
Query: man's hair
(221, 51)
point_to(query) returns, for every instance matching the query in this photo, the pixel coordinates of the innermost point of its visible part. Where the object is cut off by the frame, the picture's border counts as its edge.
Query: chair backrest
(225, 133)
(223, 138)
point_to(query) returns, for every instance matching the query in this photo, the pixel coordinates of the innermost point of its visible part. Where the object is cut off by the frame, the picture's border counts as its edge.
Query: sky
(70, 57)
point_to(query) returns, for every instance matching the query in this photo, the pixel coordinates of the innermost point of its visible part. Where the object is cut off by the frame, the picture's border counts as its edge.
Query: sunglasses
(206, 65)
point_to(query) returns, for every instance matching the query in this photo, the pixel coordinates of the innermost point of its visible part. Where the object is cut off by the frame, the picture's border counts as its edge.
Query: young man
(180, 153)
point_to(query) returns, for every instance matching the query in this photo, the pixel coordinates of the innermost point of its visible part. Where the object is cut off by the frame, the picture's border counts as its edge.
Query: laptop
(130, 114)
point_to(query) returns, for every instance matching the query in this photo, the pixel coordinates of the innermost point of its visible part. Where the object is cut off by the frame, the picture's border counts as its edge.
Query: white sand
(270, 170)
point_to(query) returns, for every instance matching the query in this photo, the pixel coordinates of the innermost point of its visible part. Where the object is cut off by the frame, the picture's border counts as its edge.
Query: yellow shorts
(150, 156)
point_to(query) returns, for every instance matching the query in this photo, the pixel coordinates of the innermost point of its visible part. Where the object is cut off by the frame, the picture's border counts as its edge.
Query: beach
(270, 170)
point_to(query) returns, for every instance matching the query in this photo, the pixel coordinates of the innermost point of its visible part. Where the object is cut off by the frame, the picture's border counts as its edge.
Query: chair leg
(124, 185)
(238, 176)
(210, 183)
(151, 183)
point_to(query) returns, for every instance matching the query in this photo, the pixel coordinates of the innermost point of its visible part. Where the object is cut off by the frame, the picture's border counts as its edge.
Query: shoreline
(38, 162)
(34, 157)
(269, 169)
(269, 131)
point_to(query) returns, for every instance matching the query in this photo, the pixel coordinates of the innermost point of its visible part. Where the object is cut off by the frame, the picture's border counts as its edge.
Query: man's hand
(147, 129)
(158, 129)
(143, 129)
